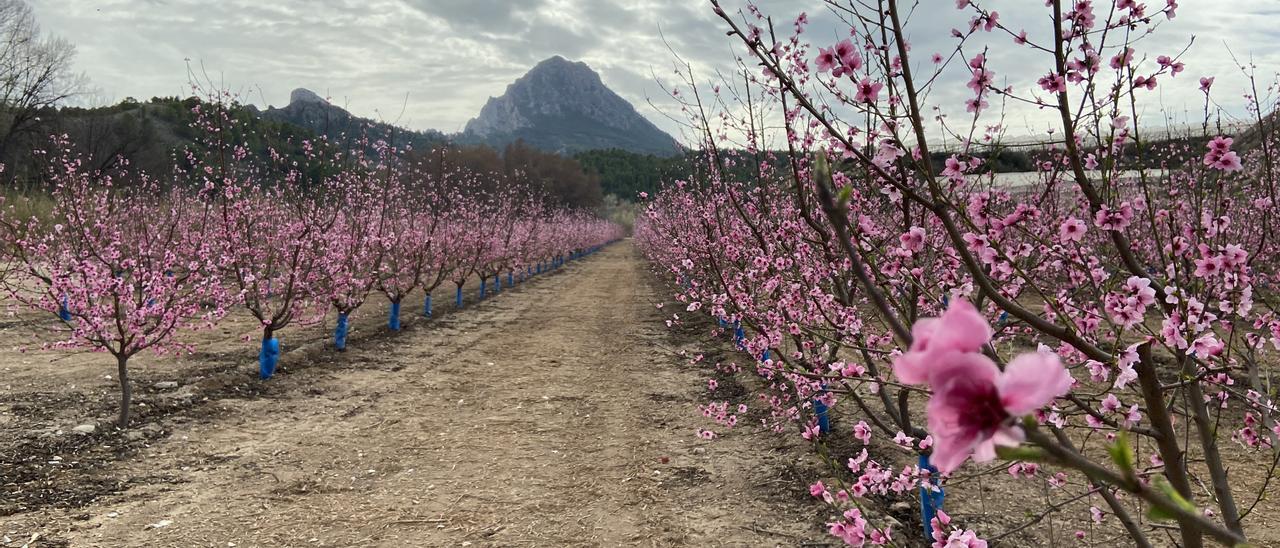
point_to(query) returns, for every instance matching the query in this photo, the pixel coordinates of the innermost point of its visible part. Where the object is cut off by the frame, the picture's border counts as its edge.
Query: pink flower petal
(950, 451)
(961, 328)
(985, 451)
(910, 368)
(947, 365)
(1009, 436)
(922, 334)
(1032, 381)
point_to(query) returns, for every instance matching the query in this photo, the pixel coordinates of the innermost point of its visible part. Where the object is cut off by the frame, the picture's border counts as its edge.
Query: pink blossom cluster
(932, 310)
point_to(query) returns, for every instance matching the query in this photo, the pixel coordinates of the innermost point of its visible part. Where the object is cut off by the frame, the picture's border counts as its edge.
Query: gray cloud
(449, 56)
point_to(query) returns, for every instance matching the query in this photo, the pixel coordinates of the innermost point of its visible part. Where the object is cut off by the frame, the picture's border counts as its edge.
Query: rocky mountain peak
(564, 106)
(304, 95)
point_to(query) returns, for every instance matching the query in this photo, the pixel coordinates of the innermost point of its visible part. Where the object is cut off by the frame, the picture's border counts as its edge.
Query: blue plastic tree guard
(930, 499)
(340, 333)
(426, 306)
(393, 319)
(511, 279)
(64, 313)
(268, 357)
(822, 412)
(484, 284)
(458, 302)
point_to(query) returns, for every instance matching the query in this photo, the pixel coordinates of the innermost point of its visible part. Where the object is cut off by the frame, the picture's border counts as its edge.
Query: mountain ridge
(311, 111)
(564, 106)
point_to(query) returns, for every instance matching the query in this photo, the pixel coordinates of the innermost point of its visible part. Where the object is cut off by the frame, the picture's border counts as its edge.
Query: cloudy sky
(433, 63)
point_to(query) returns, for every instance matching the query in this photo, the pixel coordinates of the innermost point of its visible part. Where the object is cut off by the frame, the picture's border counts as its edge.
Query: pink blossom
(817, 489)
(1235, 255)
(986, 22)
(954, 169)
(980, 80)
(957, 539)
(1053, 83)
(1220, 155)
(1118, 218)
(913, 239)
(862, 432)
(1132, 417)
(826, 60)
(1071, 230)
(903, 440)
(975, 105)
(976, 406)
(1207, 267)
(1174, 66)
(868, 91)
(848, 56)
(851, 528)
(1140, 289)
(1122, 59)
(1206, 345)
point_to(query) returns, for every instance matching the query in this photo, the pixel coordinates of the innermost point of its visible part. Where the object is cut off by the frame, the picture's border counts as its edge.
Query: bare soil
(559, 413)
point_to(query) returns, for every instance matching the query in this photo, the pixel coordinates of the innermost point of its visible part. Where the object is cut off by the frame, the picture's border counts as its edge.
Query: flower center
(980, 407)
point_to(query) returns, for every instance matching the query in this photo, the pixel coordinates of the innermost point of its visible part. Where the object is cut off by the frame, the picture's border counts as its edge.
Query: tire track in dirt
(540, 417)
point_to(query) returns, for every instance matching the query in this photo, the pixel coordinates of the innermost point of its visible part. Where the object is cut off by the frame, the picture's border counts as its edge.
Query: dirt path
(541, 417)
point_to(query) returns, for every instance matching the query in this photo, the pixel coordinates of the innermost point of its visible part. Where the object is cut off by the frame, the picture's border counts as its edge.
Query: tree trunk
(126, 391)
(1175, 468)
(1207, 429)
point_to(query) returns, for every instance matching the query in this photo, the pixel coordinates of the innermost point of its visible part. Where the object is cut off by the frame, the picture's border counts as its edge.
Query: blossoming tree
(270, 224)
(1114, 307)
(127, 263)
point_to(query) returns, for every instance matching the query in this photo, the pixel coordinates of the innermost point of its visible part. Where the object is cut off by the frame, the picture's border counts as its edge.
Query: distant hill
(144, 136)
(562, 106)
(558, 107)
(149, 137)
(310, 111)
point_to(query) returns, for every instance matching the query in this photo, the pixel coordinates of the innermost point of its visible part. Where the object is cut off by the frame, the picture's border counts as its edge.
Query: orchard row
(127, 261)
